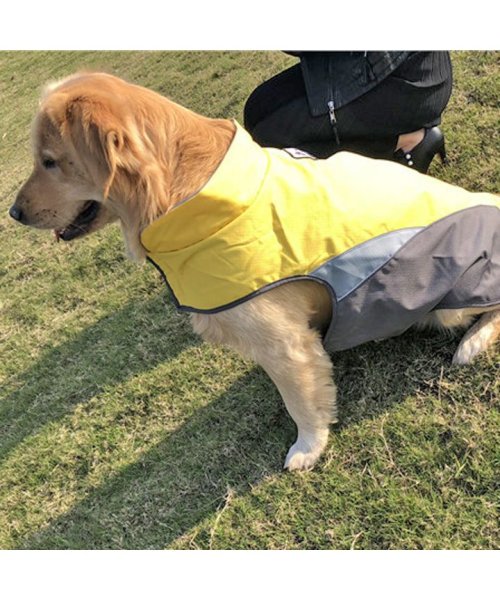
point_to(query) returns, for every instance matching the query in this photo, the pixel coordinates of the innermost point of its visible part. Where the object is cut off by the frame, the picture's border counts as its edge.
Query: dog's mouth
(81, 225)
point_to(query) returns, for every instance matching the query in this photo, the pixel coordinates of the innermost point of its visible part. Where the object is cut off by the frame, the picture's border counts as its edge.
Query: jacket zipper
(333, 121)
(331, 106)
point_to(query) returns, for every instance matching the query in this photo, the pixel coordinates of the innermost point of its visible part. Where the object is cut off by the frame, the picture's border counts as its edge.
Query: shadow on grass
(234, 442)
(109, 352)
(374, 377)
(227, 444)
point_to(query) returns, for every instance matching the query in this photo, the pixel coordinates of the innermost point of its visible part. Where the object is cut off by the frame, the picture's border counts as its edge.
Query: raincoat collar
(233, 186)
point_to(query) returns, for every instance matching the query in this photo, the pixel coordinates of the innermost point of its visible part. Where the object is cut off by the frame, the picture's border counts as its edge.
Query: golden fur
(137, 154)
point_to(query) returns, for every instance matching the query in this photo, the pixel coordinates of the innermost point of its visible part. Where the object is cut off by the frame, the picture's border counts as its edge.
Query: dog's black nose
(16, 213)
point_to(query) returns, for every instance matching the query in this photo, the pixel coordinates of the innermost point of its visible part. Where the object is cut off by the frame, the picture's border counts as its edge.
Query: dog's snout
(16, 213)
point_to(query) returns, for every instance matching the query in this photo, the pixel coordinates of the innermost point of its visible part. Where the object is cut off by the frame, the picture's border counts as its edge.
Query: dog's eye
(49, 163)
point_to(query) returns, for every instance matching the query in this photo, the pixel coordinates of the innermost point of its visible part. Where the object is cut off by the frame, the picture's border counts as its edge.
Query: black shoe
(420, 157)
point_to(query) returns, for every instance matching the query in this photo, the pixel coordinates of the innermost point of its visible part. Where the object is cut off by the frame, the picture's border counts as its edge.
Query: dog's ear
(97, 136)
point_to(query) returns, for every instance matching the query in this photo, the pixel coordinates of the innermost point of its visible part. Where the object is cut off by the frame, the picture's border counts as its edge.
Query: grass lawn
(120, 429)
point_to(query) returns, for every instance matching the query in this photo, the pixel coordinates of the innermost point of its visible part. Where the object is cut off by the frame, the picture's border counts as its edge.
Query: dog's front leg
(302, 372)
(275, 331)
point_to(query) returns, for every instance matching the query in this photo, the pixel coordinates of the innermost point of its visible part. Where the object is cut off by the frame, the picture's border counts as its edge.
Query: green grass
(120, 429)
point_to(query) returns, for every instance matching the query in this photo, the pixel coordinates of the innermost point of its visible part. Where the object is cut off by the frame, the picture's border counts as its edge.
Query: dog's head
(75, 138)
(107, 150)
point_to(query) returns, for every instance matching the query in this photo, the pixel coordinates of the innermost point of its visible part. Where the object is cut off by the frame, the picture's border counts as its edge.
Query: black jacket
(333, 79)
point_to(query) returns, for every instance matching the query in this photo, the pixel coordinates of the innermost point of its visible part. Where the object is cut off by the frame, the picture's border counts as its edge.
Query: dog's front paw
(305, 452)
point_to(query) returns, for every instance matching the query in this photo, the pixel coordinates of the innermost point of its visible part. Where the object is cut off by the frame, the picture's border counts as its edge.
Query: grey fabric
(453, 263)
(350, 269)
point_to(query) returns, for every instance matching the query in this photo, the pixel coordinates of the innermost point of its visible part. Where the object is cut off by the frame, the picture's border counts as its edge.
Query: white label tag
(296, 153)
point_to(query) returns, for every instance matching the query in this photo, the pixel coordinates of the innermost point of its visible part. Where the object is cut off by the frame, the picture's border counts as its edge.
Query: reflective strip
(346, 272)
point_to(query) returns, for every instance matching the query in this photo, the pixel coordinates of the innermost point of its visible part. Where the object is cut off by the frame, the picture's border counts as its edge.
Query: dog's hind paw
(305, 452)
(478, 338)
(466, 353)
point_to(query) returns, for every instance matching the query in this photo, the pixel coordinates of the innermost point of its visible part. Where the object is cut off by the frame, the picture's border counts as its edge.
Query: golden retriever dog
(106, 150)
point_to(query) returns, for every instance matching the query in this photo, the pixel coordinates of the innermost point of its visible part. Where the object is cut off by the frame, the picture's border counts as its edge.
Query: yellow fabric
(265, 216)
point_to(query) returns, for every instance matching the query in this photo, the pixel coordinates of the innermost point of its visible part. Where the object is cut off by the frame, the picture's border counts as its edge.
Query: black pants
(412, 97)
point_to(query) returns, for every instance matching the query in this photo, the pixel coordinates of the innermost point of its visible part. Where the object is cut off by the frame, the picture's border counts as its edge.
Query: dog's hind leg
(478, 338)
